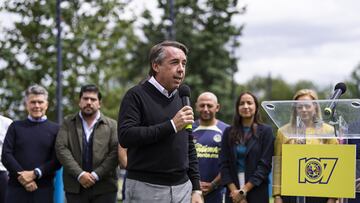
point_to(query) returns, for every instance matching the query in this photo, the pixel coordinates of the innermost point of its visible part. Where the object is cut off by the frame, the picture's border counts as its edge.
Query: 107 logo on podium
(316, 170)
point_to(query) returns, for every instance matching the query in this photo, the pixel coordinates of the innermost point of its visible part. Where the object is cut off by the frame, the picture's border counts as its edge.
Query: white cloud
(313, 40)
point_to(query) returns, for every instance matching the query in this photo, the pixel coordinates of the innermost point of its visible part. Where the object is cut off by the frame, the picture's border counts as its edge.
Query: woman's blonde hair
(306, 92)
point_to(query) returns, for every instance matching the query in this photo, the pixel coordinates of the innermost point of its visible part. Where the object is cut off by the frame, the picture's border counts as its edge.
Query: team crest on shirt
(217, 138)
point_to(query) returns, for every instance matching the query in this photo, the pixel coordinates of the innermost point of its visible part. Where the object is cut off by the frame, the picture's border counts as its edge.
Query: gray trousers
(137, 191)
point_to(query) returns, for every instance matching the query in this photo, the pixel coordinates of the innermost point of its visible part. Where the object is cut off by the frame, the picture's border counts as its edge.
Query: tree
(207, 28)
(280, 90)
(304, 84)
(353, 85)
(96, 41)
(270, 89)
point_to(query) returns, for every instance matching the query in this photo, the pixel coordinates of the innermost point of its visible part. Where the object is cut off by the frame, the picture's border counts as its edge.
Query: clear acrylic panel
(293, 118)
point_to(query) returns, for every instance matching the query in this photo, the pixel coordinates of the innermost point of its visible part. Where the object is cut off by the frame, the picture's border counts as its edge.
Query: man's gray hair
(157, 53)
(37, 90)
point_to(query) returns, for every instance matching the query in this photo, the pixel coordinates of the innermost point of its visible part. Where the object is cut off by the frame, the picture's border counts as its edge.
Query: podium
(315, 151)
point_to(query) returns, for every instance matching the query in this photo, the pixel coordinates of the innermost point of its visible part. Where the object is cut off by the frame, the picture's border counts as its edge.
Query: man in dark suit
(28, 152)
(87, 147)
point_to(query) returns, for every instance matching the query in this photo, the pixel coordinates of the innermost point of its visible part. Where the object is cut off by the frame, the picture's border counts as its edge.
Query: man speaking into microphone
(162, 164)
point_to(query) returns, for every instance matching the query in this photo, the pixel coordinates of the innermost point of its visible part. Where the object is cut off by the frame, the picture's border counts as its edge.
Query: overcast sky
(316, 40)
(306, 39)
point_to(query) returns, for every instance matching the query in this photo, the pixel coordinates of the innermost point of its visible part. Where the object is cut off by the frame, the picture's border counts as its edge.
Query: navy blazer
(258, 159)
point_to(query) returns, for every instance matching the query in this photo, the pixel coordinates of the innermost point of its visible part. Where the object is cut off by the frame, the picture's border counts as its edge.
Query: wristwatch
(242, 192)
(214, 185)
(37, 174)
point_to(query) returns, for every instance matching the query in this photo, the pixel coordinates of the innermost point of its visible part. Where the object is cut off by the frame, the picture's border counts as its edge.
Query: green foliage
(353, 85)
(95, 46)
(269, 89)
(100, 46)
(304, 84)
(206, 28)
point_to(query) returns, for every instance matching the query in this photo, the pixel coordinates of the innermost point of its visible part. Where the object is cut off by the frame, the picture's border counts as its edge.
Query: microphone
(339, 89)
(184, 93)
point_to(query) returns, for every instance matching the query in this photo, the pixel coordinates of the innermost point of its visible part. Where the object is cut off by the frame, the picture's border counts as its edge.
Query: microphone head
(184, 90)
(340, 86)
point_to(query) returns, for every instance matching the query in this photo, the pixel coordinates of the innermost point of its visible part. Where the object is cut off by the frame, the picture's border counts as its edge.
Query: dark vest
(87, 151)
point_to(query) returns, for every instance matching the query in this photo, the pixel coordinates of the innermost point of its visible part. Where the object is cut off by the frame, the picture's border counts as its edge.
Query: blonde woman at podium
(246, 154)
(306, 118)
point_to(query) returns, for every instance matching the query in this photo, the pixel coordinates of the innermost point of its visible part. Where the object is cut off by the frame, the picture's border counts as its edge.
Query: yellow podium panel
(318, 170)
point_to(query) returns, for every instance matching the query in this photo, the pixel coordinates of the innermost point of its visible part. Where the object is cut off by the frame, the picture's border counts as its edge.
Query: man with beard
(87, 148)
(208, 133)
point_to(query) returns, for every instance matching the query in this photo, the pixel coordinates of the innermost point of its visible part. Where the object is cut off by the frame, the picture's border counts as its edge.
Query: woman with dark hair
(246, 154)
